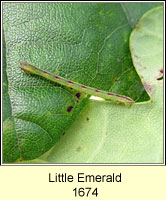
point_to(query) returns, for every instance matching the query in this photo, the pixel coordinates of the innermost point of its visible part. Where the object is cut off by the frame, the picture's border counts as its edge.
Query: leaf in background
(87, 43)
(138, 9)
(108, 133)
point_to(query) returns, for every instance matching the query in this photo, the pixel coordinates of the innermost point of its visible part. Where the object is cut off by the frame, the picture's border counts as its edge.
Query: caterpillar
(29, 68)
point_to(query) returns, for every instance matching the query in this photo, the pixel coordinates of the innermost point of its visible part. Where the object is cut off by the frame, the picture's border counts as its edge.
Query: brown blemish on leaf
(149, 88)
(137, 26)
(160, 78)
(118, 59)
(10, 124)
(20, 160)
(78, 149)
(142, 68)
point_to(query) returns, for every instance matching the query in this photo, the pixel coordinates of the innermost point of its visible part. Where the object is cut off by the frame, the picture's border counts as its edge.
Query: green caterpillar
(79, 87)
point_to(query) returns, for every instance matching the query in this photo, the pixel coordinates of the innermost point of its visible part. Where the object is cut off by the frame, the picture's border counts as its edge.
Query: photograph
(82, 83)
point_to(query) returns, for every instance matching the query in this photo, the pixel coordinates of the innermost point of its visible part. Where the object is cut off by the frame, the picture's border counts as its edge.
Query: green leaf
(138, 9)
(86, 43)
(147, 45)
(108, 133)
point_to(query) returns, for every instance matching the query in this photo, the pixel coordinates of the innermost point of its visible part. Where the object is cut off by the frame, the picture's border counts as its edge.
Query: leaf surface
(108, 133)
(86, 43)
(138, 9)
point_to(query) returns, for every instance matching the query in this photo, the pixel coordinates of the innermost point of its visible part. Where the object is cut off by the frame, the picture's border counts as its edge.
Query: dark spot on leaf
(63, 133)
(97, 91)
(10, 124)
(57, 77)
(78, 148)
(116, 80)
(78, 95)
(87, 118)
(70, 82)
(69, 108)
(20, 160)
(148, 87)
(160, 78)
(118, 59)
